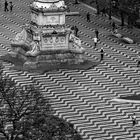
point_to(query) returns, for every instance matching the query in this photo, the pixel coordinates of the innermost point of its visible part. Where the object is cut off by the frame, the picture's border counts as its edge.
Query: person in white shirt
(134, 120)
(95, 41)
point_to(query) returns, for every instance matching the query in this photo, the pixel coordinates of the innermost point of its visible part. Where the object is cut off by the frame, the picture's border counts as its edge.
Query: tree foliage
(24, 112)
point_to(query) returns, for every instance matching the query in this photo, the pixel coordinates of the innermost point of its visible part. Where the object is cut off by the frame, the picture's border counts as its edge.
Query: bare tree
(19, 107)
(25, 113)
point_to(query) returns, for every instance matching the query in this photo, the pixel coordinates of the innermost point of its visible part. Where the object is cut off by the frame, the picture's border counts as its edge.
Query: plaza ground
(81, 97)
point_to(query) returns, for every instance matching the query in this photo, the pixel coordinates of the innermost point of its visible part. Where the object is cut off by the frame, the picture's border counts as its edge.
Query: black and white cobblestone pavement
(84, 97)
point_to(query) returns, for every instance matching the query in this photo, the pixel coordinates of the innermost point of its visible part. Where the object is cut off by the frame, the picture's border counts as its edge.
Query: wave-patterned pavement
(84, 98)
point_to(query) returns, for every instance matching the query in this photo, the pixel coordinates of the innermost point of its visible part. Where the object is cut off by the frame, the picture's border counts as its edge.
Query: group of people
(104, 12)
(8, 6)
(96, 39)
(75, 30)
(114, 29)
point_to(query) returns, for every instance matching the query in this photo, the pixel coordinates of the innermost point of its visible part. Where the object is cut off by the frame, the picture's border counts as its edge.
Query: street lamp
(97, 7)
(110, 9)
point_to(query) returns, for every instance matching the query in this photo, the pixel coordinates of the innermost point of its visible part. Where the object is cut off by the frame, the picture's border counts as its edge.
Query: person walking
(88, 17)
(73, 29)
(76, 31)
(95, 41)
(134, 120)
(11, 6)
(102, 54)
(68, 9)
(138, 64)
(96, 33)
(113, 26)
(6, 6)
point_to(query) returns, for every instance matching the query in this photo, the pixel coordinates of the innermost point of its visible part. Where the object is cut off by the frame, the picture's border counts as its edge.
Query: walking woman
(134, 120)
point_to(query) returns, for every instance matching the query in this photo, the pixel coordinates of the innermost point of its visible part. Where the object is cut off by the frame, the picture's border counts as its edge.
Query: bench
(128, 40)
(72, 14)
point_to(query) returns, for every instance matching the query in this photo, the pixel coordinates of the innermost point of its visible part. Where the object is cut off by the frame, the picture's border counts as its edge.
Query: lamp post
(110, 9)
(122, 8)
(97, 7)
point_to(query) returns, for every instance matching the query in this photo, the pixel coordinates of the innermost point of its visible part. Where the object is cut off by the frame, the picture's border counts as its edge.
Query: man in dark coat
(102, 54)
(6, 6)
(113, 26)
(138, 64)
(88, 17)
(97, 33)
